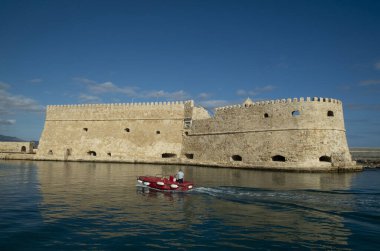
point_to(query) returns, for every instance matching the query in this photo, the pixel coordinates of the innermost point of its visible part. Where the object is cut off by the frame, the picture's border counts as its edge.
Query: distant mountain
(10, 139)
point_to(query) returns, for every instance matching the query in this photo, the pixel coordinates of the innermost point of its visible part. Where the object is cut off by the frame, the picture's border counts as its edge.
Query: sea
(46, 205)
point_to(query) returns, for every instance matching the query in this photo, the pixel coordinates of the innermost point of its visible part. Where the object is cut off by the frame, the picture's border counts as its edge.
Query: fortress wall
(16, 147)
(119, 132)
(153, 110)
(274, 115)
(255, 138)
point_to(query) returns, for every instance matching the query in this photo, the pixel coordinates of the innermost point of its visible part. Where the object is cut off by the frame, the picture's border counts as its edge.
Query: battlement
(284, 101)
(140, 104)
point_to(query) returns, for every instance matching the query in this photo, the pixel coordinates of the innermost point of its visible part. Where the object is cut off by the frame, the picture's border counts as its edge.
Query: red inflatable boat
(164, 184)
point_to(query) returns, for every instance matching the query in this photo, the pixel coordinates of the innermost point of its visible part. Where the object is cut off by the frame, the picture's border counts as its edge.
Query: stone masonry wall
(130, 132)
(281, 133)
(16, 147)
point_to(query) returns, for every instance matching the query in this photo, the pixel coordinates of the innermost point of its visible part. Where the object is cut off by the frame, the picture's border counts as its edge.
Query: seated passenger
(180, 176)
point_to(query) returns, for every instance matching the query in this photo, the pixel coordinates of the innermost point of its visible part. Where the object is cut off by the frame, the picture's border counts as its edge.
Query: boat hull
(164, 184)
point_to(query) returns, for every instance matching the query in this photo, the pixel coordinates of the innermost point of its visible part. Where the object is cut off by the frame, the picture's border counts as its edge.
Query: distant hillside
(10, 139)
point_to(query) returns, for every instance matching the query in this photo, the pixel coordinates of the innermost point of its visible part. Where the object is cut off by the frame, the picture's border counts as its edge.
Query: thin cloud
(178, 95)
(370, 82)
(212, 104)
(11, 104)
(255, 92)
(7, 121)
(130, 91)
(107, 87)
(377, 66)
(365, 107)
(4, 86)
(36, 80)
(204, 95)
(89, 99)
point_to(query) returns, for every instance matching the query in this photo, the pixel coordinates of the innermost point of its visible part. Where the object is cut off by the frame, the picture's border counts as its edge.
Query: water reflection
(229, 206)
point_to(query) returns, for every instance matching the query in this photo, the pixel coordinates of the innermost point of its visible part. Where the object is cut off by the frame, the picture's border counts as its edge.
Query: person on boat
(180, 175)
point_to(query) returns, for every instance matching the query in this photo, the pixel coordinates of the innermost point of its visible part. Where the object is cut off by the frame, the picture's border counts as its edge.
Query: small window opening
(236, 158)
(295, 113)
(279, 158)
(169, 155)
(127, 130)
(85, 129)
(330, 114)
(186, 133)
(325, 158)
(109, 154)
(187, 123)
(158, 132)
(91, 153)
(23, 149)
(266, 115)
(68, 152)
(189, 155)
(50, 152)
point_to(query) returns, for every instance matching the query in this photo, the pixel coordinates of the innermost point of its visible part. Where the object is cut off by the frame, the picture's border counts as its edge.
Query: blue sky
(215, 52)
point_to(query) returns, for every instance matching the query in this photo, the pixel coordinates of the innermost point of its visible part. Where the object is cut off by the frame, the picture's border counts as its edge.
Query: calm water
(76, 206)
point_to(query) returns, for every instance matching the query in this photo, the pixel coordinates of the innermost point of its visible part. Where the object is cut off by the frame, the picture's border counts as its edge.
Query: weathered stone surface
(288, 134)
(16, 147)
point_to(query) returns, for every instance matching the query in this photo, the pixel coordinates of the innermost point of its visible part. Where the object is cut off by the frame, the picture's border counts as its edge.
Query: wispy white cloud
(366, 107)
(204, 95)
(94, 87)
(4, 86)
(7, 121)
(370, 82)
(10, 103)
(211, 104)
(89, 98)
(36, 80)
(256, 91)
(377, 66)
(107, 87)
(177, 95)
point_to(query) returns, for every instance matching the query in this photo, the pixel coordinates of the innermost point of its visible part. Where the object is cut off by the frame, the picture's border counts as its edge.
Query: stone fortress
(288, 134)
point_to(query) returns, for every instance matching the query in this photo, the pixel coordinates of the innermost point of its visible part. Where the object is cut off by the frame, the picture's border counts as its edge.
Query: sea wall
(16, 147)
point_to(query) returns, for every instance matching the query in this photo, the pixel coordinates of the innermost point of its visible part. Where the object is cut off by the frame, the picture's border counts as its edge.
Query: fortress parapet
(290, 134)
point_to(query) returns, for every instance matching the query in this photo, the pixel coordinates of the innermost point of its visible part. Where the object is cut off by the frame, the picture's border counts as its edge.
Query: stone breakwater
(367, 157)
(299, 134)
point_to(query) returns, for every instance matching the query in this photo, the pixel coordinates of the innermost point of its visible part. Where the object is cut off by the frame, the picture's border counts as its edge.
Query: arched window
(295, 113)
(325, 158)
(23, 149)
(330, 114)
(266, 115)
(127, 130)
(279, 158)
(236, 158)
(91, 153)
(168, 155)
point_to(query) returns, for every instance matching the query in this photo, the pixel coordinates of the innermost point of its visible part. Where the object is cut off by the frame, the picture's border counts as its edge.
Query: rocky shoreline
(369, 163)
